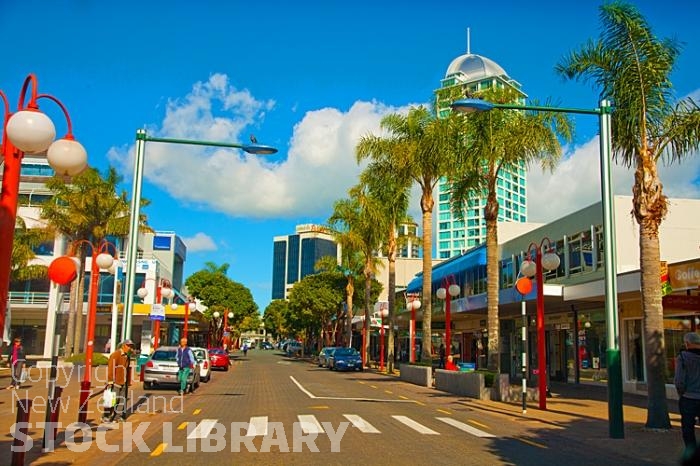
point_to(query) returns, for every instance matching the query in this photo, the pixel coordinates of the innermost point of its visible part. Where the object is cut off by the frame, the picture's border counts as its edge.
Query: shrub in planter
(489, 377)
(98, 359)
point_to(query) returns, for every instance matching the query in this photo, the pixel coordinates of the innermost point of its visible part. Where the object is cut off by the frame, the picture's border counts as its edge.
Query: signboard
(157, 312)
(684, 276)
(375, 322)
(684, 302)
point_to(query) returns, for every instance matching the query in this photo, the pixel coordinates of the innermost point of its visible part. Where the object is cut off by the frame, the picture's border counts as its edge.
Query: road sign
(375, 322)
(157, 312)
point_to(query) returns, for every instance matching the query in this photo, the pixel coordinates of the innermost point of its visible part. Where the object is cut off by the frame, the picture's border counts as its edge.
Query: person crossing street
(185, 363)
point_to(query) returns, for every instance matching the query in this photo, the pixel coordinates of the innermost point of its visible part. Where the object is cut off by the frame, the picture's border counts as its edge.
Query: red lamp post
(163, 290)
(448, 291)
(414, 304)
(529, 268)
(28, 130)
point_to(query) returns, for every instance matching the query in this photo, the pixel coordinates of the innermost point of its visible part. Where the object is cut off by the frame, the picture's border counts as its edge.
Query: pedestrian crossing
(258, 426)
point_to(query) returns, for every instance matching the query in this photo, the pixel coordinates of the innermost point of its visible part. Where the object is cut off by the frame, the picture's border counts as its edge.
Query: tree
(25, 242)
(492, 142)
(359, 218)
(391, 188)
(86, 208)
(423, 148)
(632, 67)
(275, 317)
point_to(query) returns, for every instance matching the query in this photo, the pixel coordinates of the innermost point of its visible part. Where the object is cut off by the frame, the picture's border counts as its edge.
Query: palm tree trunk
(368, 294)
(72, 310)
(349, 291)
(392, 301)
(78, 338)
(491, 215)
(655, 353)
(427, 305)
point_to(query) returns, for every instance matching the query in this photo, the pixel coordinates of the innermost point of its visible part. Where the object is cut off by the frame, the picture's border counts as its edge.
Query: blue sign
(162, 243)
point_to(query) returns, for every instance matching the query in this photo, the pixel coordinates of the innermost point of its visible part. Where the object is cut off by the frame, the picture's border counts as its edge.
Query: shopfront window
(635, 350)
(674, 329)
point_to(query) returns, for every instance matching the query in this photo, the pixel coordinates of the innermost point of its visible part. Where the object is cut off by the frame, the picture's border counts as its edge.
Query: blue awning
(455, 266)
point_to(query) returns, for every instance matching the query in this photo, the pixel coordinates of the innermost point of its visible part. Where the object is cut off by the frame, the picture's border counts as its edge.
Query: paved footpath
(576, 413)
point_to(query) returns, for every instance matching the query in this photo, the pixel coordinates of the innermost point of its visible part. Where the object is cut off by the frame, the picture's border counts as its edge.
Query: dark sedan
(345, 359)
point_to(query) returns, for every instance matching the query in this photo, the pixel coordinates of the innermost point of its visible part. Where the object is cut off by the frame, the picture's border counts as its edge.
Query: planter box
(470, 384)
(510, 393)
(417, 375)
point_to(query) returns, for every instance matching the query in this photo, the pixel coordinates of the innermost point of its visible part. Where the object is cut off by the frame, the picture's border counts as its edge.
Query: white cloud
(319, 168)
(200, 242)
(575, 183)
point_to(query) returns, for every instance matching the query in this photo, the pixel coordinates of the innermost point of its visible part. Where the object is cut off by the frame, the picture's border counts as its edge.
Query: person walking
(687, 382)
(118, 378)
(245, 349)
(441, 363)
(185, 362)
(16, 359)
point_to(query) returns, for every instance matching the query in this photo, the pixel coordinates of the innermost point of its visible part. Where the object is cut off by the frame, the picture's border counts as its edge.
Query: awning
(455, 266)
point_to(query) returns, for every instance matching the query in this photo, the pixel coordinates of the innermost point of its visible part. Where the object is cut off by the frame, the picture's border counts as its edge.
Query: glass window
(444, 235)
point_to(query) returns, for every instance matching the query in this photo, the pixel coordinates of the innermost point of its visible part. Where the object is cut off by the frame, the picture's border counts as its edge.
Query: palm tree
(391, 189)
(359, 220)
(493, 142)
(631, 66)
(86, 208)
(23, 255)
(424, 148)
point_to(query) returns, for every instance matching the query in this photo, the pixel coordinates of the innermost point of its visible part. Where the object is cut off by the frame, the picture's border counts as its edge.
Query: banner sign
(157, 312)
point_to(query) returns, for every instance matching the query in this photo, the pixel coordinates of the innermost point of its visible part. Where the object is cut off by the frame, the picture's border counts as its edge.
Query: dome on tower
(474, 67)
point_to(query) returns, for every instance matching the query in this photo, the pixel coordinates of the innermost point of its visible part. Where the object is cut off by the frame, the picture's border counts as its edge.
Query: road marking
(373, 386)
(465, 427)
(308, 393)
(363, 383)
(364, 426)
(388, 391)
(182, 426)
(478, 424)
(319, 407)
(257, 426)
(418, 403)
(420, 428)
(309, 424)
(159, 449)
(403, 397)
(530, 442)
(203, 429)
(196, 411)
(443, 411)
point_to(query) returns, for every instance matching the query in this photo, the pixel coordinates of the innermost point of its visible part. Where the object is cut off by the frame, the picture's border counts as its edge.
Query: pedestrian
(441, 364)
(450, 365)
(118, 378)
(185, 363)
(108, 346)
(245, 349)
(687, 381)
(16, 359)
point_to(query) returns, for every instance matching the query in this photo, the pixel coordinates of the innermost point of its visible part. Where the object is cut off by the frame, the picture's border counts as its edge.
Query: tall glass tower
(467, 75)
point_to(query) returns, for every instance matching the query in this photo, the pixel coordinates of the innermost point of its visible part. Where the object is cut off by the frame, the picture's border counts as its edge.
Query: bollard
(84, 399)
(55, 411)
(19, 446)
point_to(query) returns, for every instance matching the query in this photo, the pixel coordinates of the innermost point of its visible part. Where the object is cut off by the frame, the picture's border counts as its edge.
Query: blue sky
(307, 77)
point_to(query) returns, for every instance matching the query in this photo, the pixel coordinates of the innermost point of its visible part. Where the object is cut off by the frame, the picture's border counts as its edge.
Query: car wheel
(147, 385)
(207, 378)
(226, 368)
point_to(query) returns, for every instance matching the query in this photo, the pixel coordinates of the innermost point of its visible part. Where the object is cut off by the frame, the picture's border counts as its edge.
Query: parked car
(202, 355)
(161, 369)
(344, 359)
(293, 348)
(219, 359)
(325, 355)
(266, 345)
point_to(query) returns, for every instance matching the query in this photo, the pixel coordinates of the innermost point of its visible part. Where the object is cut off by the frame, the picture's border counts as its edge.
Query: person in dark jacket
(16, 360)
(118, 372)
(687, 382)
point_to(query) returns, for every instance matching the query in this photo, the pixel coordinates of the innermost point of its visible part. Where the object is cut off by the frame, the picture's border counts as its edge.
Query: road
(270, 409)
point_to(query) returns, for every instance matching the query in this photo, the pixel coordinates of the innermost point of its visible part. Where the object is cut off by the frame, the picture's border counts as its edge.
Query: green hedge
(98, 359)
(489, 377)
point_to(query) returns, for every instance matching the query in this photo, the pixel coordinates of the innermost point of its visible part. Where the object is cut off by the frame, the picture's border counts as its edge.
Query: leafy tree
(494, 141)
(632, 67)
(424, 148)
(275, 317)
(86, 208)
(25, 242)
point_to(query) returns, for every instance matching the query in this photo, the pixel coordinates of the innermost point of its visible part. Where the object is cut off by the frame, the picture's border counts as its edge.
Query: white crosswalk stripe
(465, 427)
(309, 424)
(203, 429)
(257, 426)
(362, 425)
(420, 428)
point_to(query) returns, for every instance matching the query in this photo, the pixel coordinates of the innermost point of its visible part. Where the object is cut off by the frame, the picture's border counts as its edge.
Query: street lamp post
(141, 139)
(383, 312)
(414, 304)
(603, 112)
(227, 333)
(530, 268)
(163, 290)
(448, 291)
(28, 130)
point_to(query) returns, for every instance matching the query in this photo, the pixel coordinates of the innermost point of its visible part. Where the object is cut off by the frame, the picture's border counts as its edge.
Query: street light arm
(251, 149)
(31, 78)
(69, 134)
(6, 104)
(480, 105)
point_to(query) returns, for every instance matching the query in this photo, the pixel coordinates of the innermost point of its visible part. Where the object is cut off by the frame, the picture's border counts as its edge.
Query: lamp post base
(615, 416)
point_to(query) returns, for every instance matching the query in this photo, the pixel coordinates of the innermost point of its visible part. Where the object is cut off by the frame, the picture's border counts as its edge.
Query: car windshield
(200, 354)
(327, 350)
(345, 352)
(164, 355)
(216, 351)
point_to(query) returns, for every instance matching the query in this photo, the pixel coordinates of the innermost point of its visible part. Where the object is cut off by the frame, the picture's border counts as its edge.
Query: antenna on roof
(469, 38)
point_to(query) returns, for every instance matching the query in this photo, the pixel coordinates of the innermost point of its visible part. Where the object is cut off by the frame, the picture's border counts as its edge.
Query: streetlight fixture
(603, 112)
(163, 290)
(533, 268)
(448, 287)
(413, 305)
(141, 139)
(29, 131)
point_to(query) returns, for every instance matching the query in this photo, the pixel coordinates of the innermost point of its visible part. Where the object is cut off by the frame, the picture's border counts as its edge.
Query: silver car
(325, 355)
(161, 368)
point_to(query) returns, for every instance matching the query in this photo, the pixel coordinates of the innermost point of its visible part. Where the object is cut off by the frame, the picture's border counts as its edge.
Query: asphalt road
(270, 409)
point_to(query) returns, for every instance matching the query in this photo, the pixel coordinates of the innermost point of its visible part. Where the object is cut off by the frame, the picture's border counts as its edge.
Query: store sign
(686, 303)
(685, 276)
(157, 312)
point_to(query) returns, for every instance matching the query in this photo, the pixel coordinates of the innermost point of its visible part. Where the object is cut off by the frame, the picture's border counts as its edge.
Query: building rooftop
(474, 67)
